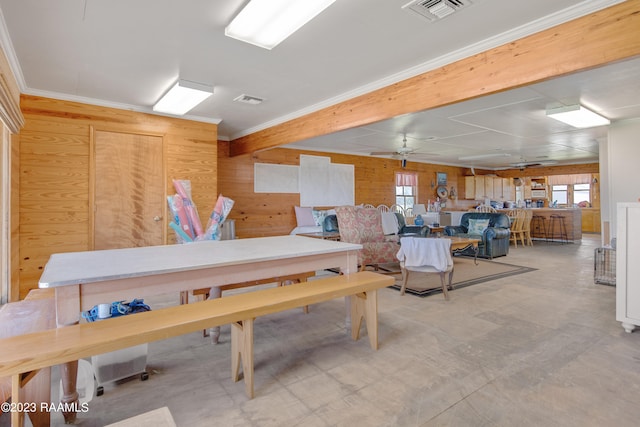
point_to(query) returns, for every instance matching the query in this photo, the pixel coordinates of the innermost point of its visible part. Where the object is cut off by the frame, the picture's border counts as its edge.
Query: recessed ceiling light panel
(182, 97)
(266, 23)
(577, 116)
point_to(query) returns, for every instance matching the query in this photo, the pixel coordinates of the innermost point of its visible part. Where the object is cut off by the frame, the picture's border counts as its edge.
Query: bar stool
(562, 229)
(539, 224)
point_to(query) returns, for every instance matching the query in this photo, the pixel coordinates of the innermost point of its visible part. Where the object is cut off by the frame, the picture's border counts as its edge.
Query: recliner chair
(494, 239)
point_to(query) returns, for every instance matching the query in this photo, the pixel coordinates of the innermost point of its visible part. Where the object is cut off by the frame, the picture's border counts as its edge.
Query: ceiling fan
(523, 164)
(401, 153)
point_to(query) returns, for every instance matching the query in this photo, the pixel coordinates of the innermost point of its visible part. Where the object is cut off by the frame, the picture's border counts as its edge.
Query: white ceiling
(125, 54)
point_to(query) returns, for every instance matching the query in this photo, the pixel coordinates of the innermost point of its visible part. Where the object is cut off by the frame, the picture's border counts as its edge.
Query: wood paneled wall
(268, 214)
(54, 161)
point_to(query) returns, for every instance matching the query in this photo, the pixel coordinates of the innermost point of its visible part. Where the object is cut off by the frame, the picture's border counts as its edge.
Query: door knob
(157, 218)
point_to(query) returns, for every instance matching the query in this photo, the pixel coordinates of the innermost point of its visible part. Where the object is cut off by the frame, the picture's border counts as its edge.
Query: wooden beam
(591, 41)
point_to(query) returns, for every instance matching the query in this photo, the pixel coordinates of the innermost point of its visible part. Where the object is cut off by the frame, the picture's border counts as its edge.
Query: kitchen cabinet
(527, 188)
(491, 187)
(508, 189)
(590, 220)
(627, 265)
(469, 187)
(497, 189)
(479, 193)
(488, 187)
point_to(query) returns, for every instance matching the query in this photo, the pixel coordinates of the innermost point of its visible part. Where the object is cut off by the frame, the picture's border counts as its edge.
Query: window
(406, 189)
(570, 195)
(582, 193)
(559, 194)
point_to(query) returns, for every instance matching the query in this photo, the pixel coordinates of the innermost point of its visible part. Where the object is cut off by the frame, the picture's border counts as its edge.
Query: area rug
(466, 273)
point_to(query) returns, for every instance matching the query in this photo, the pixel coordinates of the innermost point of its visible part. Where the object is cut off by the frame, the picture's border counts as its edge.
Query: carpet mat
(465, 273)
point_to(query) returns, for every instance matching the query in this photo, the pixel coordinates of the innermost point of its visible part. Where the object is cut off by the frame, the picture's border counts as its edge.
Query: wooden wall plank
(54, 161)
(14, 287)
(594, 40)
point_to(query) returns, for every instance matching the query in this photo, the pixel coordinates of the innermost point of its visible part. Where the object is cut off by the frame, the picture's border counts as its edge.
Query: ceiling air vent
(434, 10)
(247, 99)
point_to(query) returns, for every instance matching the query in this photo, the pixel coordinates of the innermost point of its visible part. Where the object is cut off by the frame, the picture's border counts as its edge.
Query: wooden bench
(25, 353)
(35, 313)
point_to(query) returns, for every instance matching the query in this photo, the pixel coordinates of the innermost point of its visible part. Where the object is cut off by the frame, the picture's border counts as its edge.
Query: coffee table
(325, 235)
(436, 230)
(461, 244)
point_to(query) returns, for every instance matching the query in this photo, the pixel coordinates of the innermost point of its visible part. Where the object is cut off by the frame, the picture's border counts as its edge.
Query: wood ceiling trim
(591, 41)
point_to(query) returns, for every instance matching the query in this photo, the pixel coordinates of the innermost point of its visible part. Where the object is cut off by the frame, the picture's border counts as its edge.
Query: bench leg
(242, 350)
(17, 417)
(32, 389)
(365, 305)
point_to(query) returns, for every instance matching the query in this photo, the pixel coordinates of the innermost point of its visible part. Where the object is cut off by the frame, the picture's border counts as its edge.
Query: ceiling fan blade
(383, 153)
(534, 164)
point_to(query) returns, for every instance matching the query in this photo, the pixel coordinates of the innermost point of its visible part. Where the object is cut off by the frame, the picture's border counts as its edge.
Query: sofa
(310, 220)
(330, 225)
(491, 228)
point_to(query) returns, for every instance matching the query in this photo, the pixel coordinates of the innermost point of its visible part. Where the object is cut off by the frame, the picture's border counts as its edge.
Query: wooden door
(129, 199)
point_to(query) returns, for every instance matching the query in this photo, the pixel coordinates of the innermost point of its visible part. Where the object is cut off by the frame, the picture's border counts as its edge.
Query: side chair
(426, 255)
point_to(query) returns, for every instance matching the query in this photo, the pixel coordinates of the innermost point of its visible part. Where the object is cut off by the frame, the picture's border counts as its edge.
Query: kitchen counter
(540, 227)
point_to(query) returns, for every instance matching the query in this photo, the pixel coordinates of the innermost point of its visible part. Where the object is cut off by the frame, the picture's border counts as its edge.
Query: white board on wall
(323, 183)
(272, 178)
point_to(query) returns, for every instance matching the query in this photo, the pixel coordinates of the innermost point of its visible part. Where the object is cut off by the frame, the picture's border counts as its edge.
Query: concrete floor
(537, 349)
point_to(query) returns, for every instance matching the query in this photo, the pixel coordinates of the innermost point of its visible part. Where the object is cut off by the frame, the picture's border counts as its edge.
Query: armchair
(410, 230)
(330, 224)
(364, 226)
(494, 237)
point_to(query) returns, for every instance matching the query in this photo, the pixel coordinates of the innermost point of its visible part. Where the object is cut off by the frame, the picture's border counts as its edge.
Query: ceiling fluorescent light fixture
(182, 97)
(266, 23)
(577, 116)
